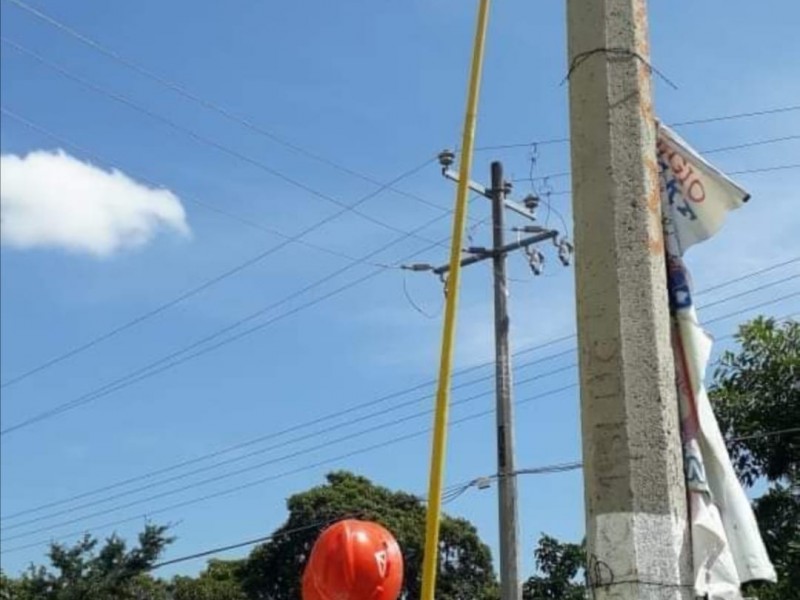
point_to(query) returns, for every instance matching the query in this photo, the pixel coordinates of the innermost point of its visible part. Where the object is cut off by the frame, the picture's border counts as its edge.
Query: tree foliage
(559, 567)
(755, 393)
(82, 572)
(274, 569)
(221, 580)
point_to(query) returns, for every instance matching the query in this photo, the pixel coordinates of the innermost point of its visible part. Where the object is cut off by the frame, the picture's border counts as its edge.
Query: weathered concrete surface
(637, 531)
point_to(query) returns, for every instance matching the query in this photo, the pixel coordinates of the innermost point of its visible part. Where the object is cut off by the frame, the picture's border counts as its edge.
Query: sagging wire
(415, 305)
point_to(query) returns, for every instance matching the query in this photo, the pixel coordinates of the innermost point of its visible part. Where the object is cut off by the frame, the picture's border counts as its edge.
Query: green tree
(560, 567)
(755, 393)
(273, 570)
(221, 580)
(9, 589)
(756, 398)
(81, 572)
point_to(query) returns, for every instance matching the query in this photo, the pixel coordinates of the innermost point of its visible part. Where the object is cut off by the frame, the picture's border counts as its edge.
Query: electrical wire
(183, 355)
(345, 438)
(219, 278)
(374, 402)
(346, 208)
(767, 169)
(713, 119)
(91, 343)
(320, 446)
(295, 428)
(281, 433)
(750, 291)
(301, 469)
(741, 146)
(252, 542)
(194, 200)
(225, 112)
(452, 494)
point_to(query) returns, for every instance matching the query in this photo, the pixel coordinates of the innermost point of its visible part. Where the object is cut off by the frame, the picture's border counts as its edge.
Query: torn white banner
(726, 543)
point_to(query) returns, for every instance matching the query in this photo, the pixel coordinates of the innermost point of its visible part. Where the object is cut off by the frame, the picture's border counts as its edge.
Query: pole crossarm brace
(481, 254)
(487, 193)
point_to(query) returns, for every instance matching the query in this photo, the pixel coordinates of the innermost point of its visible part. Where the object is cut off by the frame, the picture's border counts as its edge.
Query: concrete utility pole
(636, 514)
(510, 588)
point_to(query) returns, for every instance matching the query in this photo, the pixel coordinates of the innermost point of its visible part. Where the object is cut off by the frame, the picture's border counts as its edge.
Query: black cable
(181, 298)
(750, 291)
(346, 208)
(374, 402)
(744, 115)
(736, 313)
(741, 146)
(304, 425)
(452, 494)
(283, 474)
(251, 542)
(179, 357)
(213, 281)
(307, 450)
(767, 169)
(258, 465)
(210, 207)
(218, 108)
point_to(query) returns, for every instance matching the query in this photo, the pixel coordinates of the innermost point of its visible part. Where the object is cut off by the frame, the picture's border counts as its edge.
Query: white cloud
(53, 200)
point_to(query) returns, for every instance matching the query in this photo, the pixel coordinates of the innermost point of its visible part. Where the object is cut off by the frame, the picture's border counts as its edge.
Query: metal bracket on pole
(486, 254)
(479, 189)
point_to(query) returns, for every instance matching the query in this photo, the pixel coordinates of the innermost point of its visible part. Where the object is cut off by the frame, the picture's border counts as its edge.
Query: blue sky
(377, 87)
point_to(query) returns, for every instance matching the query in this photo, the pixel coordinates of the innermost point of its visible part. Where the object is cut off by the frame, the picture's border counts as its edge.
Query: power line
(750, 291)
(228, 491)
(208, 104)
(375, 402)
(766, 169)
(288, 239)
(556, 468)
(747, 276)
(564, 140)
(744, 115)
(345, 438)
(180, 356)
(320, 446)
(252, 542)
(304, 425)
(206, 140)
(249, 124)
(741, 146)
(754, 436)
(215, 280)
(210, 207)
(736, 313)
(454, 493)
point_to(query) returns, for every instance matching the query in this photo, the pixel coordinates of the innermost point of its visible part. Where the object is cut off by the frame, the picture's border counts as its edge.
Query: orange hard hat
(354, 560)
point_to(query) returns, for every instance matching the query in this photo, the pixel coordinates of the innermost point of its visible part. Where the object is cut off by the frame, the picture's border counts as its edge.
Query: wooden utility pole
(506, 474)
(507, 481)
(636, 515)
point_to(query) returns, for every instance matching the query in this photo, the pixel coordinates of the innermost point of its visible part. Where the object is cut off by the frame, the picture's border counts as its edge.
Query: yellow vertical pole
(430, 560)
